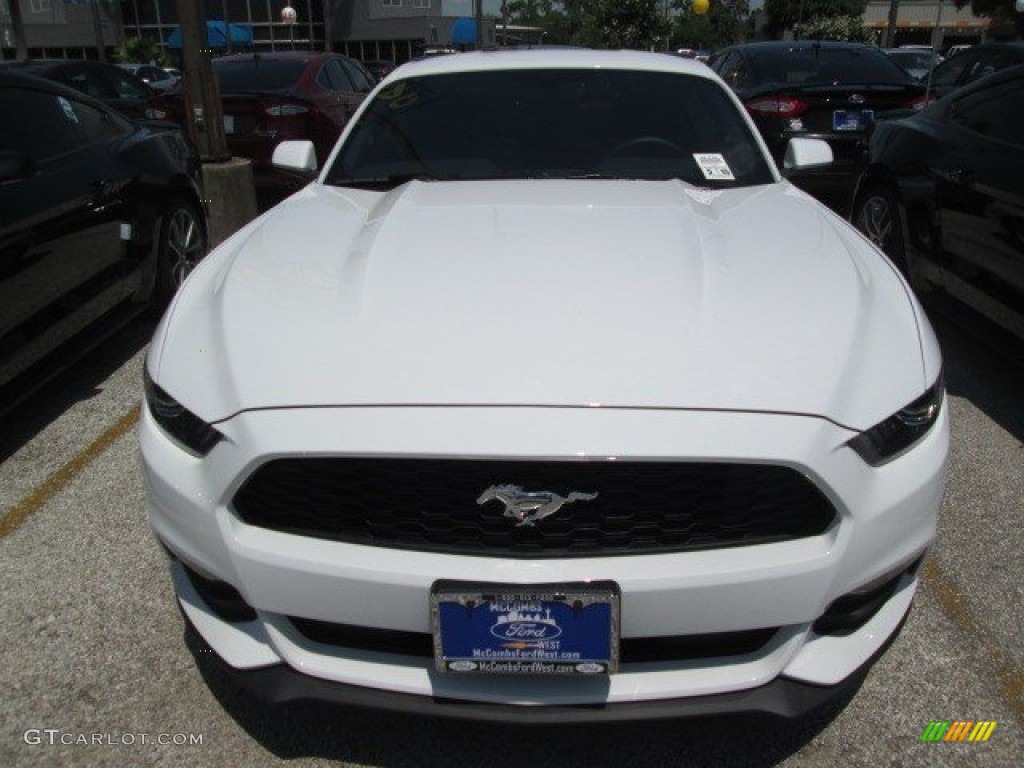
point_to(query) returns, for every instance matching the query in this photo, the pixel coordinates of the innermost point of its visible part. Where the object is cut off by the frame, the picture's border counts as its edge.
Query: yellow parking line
(52, 485)
(1011, 679)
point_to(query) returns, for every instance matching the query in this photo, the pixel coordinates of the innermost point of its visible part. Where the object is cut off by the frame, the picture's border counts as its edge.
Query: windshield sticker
(68, 109)
(714, 167)
(398, 96)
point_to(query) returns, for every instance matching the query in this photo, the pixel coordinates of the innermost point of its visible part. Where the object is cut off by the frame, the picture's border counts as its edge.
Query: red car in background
(268, 98)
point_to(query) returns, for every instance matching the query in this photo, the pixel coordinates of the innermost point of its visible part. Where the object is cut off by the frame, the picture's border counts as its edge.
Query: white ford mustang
(548, 400)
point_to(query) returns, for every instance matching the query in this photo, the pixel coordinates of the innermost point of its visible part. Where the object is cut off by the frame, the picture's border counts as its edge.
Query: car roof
(561, 58)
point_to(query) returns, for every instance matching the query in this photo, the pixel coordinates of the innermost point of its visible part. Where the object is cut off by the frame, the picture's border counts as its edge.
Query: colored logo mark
(958, 730)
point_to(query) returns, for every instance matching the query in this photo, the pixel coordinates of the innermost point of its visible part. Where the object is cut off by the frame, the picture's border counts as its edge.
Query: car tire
(877, 216)
(182, 244)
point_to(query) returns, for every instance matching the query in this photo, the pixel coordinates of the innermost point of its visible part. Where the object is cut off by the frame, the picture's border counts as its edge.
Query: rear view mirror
(297, 156)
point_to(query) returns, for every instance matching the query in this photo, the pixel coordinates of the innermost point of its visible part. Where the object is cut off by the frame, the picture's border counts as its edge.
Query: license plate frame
(852, 120)
(534, 630)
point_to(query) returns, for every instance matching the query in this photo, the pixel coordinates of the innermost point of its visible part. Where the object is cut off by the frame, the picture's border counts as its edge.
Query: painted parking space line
(956, 606)
(59, 479)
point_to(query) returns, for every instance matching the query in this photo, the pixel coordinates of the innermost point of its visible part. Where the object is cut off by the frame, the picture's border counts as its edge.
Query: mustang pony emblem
(526, 507)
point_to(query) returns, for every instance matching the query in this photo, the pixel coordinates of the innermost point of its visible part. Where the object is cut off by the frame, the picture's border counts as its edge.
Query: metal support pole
(479, 24)
(97, 29)
(204, 120)
(890, 30)
(18, 31)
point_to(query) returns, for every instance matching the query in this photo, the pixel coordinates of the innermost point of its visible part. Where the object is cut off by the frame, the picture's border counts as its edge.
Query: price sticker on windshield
(714, 167)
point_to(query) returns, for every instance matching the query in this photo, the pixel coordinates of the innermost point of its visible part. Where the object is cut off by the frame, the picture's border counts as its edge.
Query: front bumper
(280, 684)
(886, 519)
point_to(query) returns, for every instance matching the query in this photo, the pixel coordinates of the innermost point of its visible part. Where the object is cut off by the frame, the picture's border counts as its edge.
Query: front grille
(431, 505)
(631, 649)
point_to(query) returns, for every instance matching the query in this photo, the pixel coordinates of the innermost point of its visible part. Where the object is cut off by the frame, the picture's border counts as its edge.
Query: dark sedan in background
(943, 196)
(821, 90)
(113, 85)
(272, 97)
(100, 219)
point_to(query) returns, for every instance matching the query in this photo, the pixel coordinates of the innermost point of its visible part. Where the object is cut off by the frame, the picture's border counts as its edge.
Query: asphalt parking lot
(95, 669)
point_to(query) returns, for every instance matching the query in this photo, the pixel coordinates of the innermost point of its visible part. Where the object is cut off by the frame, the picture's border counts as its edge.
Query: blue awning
(241, 35)
(464, 32)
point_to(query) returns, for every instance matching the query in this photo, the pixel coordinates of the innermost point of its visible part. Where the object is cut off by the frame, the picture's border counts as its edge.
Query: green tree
(785, 14)
(838, 28)
(637, 24)
(561, 22)
(723, 24)
(1002, 13)
(140, 50)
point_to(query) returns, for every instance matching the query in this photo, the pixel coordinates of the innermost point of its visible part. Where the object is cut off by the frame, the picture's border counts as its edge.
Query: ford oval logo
(526, 630)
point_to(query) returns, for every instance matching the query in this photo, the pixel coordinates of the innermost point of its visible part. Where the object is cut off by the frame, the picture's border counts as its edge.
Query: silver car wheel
(185, 246)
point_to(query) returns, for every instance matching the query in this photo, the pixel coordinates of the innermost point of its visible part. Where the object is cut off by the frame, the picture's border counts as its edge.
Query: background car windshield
(552, 124)
(257, 74)
(822, 64)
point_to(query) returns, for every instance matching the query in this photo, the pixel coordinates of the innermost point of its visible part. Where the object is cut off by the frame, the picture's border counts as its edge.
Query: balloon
(700, 7)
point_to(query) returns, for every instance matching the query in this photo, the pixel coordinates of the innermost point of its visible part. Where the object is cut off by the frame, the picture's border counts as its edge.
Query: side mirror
(297, 156)
(16, 166)
(802, 154)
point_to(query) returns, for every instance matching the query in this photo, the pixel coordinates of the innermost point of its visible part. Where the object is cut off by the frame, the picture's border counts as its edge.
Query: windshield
(819, 64)
(578, 123)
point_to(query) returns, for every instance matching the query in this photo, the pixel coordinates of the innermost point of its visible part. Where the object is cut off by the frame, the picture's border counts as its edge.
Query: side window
(357, 75)
(722, 63)
(89, 82)
(950, 71)
(152, 74)
(339, 80)
(996, 113)
(47, 124)
(324, 79)
(733, 70)
(127, 88)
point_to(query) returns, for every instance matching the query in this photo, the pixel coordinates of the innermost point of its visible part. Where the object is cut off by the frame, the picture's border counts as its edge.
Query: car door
(60, 225)
(980, 195)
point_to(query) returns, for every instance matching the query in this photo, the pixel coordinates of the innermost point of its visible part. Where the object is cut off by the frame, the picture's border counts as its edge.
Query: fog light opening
(222, 598)
(854, 609)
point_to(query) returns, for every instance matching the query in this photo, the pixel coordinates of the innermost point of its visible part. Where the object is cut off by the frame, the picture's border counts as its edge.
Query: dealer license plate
(852, 120)
(548, 629)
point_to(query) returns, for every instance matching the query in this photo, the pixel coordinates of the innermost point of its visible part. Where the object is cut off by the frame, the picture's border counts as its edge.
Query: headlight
(891, 438)
(188, 430)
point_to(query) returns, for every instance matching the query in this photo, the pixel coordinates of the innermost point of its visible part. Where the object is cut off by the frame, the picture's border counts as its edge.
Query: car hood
(550, 293)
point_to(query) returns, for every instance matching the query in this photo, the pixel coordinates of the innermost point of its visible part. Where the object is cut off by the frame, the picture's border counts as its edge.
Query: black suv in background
(100, 218)
(114, 86)
(943, 196)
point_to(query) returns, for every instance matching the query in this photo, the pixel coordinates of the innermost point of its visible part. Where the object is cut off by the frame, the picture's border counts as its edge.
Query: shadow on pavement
(79, 382)
(982, 363)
